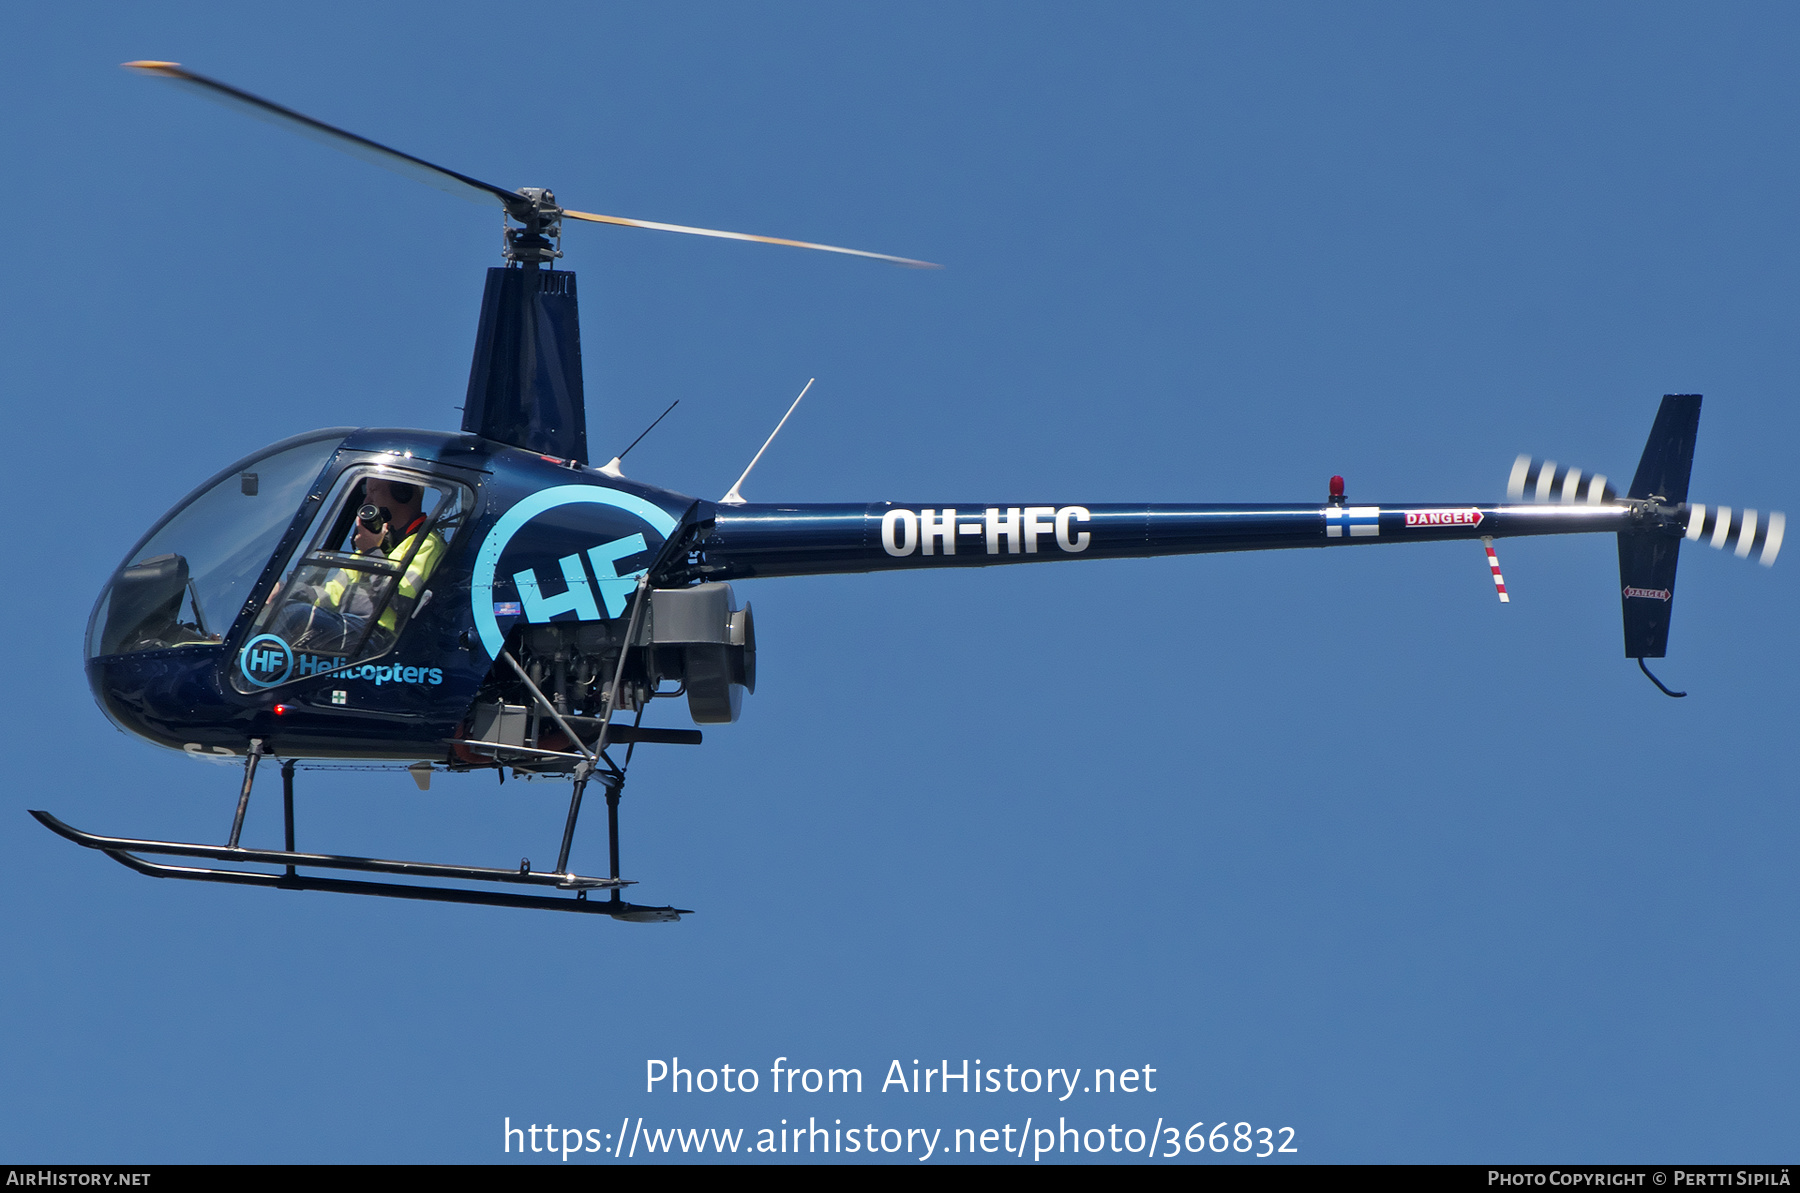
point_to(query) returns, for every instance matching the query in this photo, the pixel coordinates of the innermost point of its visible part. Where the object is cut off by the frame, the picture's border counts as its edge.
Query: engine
(696, 639)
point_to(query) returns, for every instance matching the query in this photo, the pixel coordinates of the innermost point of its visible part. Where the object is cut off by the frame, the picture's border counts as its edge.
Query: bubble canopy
(185, 583)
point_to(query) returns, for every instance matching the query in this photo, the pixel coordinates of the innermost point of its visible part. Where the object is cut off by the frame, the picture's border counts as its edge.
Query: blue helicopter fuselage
(532, 540)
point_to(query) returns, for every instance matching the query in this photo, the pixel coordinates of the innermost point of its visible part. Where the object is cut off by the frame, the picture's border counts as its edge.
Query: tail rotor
(1660, 519)
(1745, 531)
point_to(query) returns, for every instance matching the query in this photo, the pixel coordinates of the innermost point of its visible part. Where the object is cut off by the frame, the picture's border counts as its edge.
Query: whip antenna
(736, 498)
(647, 430)
(611, 467)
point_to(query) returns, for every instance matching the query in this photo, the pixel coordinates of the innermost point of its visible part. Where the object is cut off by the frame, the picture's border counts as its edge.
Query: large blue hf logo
(578, 592)
(265, 660)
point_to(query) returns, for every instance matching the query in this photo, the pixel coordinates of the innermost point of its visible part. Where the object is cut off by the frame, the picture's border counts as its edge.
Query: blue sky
(1333, 841)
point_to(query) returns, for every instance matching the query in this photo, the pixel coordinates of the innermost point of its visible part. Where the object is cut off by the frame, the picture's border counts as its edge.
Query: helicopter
(491, 600)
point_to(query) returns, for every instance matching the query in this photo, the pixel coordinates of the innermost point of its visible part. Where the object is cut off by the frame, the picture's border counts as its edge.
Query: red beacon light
(1337, 490)
(281, 710)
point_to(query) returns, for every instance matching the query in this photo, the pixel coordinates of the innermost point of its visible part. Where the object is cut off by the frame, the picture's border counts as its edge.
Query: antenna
(736, 498)
(611, 467)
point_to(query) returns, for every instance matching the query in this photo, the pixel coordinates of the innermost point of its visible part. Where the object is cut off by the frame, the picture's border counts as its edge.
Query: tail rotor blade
(1746, 531)
(1515, 484)
(1545, 480)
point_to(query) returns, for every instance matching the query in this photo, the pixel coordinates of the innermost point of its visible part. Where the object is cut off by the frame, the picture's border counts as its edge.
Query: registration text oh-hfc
(1009, 530)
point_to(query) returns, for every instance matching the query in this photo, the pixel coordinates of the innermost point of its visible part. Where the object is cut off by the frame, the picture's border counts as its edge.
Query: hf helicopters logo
(267, 660)
(577, 595)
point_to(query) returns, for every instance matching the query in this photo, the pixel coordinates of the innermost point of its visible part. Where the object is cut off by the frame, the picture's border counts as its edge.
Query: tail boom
(799, 540)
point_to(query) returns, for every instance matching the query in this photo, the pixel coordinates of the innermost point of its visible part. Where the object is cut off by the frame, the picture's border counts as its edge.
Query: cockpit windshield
(185, 585)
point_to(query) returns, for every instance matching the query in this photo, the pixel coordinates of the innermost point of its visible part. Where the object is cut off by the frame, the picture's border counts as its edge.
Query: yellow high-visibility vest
(339, 583)
(417, 573)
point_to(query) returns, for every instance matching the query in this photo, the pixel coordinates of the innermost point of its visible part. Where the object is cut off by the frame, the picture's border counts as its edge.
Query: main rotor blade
(448, 181)
(798, 244)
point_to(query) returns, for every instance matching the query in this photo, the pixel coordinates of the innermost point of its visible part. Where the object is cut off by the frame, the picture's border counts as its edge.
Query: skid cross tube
(615, 779)
(287, 807)
(251, 758)
(581, 781)
(614, 789)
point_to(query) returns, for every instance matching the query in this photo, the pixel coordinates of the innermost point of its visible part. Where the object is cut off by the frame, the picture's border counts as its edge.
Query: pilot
(332, 615)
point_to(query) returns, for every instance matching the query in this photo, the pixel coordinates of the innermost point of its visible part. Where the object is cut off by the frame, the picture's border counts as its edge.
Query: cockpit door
(357, 576)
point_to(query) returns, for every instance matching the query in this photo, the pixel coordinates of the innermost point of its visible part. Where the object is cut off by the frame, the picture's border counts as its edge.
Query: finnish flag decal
(1356, 521)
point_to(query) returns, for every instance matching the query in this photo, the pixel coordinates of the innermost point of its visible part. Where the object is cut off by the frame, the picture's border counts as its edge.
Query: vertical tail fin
(1648, 555)
(1669, 454)
(1647, 591)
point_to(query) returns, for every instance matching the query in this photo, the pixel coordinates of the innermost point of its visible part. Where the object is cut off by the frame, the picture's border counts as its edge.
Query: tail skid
(1660, 686)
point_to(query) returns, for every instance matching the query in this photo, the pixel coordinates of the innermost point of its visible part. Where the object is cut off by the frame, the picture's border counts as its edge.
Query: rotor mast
(525, 378)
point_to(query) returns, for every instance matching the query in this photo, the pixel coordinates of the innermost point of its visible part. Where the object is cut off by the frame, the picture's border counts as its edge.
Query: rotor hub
(538, 239)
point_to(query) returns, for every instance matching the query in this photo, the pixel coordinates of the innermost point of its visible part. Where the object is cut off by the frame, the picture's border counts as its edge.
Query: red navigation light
(281, 710)
(1337, 486)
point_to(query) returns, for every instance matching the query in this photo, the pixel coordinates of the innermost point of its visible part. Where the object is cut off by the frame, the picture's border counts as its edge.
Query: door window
(362, 570)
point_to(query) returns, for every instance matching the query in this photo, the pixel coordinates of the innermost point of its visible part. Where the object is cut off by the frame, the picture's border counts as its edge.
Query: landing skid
(589, 763)
(125, 851)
